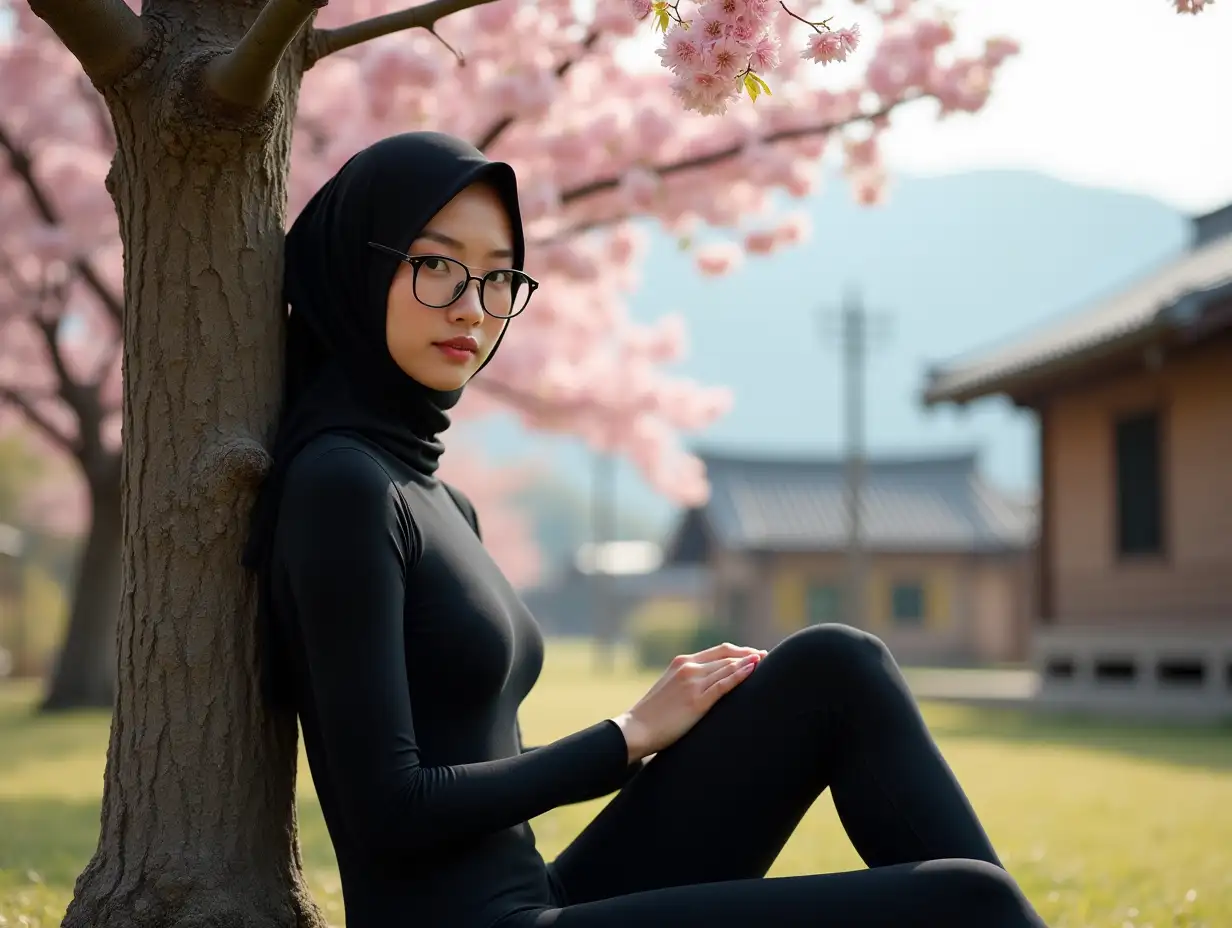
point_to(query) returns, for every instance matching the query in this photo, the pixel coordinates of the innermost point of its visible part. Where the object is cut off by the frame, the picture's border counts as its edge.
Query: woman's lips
(459, 349)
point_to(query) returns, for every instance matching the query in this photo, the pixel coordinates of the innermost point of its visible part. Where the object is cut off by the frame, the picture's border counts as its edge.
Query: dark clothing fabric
(340, 376)
(406, 654)
(687, 842)
(410, 656)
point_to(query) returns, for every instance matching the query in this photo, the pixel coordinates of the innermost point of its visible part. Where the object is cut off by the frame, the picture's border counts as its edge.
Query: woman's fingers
(731, 672)
(724, 650)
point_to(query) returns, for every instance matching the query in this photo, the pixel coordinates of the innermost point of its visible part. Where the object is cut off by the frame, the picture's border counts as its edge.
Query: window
(823, 603)
(907, 606)
(1139, 490)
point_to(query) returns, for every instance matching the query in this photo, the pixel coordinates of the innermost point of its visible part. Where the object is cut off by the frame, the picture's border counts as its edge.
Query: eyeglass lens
(439, 281)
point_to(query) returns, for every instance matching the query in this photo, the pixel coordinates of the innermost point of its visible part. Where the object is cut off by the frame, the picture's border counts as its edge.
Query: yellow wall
(790, 585)
(938, 581)
(789, 599)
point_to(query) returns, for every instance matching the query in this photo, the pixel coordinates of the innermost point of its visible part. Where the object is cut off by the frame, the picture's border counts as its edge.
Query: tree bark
(84, 675)
(198, 816)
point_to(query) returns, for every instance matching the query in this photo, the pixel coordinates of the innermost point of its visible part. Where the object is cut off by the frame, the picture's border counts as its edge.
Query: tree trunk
(198, 815)
(84, 676)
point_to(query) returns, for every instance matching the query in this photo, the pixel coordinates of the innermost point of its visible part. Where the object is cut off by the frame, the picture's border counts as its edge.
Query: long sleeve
(347, 544)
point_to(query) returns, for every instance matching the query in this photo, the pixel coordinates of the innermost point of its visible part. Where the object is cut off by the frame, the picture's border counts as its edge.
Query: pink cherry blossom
(825, 47)
(719, 258)
(794, 229)
(762, 242)
(725, 57)
(765, 55)
(602, 152)
(996, 50)
(681, 51)
(850, 37)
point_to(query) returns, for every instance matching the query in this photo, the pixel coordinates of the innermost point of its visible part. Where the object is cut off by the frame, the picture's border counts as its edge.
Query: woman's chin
(445, 379)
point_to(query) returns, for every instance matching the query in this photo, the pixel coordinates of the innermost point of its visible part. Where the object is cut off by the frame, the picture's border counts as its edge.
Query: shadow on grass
(1203, 746)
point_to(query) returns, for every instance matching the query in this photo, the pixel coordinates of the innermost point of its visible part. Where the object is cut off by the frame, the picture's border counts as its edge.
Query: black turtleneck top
(410, 654)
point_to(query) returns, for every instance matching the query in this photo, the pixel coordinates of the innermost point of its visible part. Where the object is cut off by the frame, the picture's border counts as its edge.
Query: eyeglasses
(439, 281)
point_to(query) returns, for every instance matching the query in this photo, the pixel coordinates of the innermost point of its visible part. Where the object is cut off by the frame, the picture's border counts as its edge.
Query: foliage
(655, 645)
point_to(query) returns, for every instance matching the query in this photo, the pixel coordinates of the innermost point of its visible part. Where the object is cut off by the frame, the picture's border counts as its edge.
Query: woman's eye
(435, 264)
(500, 278)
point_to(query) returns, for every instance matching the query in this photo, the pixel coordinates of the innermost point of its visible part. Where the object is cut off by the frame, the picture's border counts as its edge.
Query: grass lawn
(1103, 824)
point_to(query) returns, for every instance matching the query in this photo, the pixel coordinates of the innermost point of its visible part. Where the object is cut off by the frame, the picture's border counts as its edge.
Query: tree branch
(489, 138)
(37, 419)
(22, 166)
(424, 16)
(715, 157)
(235, 461)
(700, 161)
(244, 76)
(106, 363)
(69, 387)
(105, 36)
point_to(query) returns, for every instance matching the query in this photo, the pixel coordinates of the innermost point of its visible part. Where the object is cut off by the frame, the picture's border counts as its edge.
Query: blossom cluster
(728, 46)
(600, 161)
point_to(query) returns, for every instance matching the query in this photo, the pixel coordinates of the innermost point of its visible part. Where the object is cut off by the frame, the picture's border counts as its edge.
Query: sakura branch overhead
(728, 46)
(594, 148)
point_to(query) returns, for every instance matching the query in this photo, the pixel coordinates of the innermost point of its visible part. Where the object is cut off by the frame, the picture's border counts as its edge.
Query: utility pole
(855, 356)
(855, 329)
(603, 531)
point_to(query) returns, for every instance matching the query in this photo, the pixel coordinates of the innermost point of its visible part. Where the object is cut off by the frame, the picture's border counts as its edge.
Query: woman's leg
(827, 707)
(933, 894)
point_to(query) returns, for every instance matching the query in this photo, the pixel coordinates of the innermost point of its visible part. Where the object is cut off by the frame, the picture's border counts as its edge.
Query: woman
(406, 653)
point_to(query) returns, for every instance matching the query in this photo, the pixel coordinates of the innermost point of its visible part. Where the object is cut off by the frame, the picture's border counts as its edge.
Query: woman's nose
(467, 308)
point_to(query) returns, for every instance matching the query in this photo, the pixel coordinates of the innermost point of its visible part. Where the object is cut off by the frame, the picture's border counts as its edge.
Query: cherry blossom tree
(199, 100)
(60, 350)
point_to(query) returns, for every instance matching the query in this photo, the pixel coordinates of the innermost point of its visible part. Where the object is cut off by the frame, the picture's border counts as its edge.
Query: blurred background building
(1134, 400)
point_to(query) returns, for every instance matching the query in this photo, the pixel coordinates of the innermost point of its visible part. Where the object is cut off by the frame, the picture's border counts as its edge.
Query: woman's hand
(688, 688)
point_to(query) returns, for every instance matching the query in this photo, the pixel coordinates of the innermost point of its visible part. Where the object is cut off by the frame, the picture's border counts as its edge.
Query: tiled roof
(1173, 296)
(935, 503)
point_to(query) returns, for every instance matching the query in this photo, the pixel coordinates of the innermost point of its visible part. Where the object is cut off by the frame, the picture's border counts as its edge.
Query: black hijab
(340, 376)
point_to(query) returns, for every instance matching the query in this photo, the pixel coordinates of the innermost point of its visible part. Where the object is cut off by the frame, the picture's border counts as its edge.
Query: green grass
(1103, 824)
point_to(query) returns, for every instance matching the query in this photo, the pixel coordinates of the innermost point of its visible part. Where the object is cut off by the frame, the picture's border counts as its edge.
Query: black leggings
(688, 841)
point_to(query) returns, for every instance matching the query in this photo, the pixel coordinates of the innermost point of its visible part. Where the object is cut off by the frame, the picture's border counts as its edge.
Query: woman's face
(472, 228)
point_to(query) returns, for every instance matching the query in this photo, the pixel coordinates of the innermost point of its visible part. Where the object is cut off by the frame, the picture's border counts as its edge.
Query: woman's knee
(835, 646)
(830, 660)
(981, 892)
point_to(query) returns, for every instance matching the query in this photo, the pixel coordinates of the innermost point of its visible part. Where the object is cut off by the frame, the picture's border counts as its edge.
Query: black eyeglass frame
(416, 261)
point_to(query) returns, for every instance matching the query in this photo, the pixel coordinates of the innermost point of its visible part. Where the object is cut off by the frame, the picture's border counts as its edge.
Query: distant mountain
(956, 263)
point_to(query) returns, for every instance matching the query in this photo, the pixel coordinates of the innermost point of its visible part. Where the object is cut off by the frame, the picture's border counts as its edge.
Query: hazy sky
(1117, 93)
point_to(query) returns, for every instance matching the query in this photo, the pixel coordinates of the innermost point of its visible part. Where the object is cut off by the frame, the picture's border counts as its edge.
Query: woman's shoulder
(339, 467)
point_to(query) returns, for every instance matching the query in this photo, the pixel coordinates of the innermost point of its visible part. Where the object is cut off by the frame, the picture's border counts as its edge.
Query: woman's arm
(463, 502)
(346, 547)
